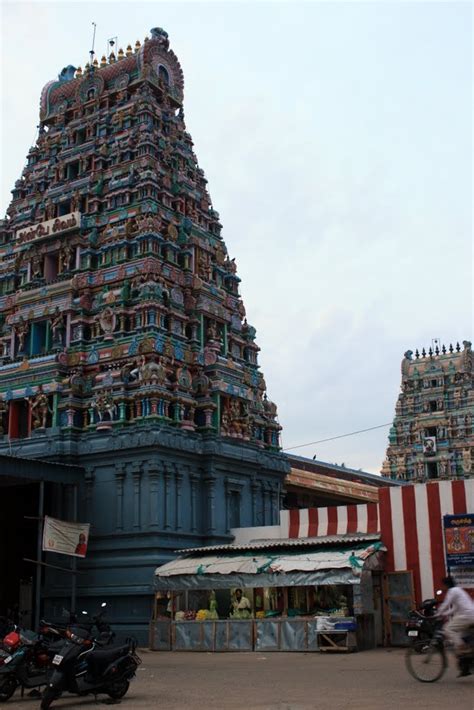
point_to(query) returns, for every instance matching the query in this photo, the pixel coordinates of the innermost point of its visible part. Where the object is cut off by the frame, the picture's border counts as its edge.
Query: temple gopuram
(432, 434)
(124, 343)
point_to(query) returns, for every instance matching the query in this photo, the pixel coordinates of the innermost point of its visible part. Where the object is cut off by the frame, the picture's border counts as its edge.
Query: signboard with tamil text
(459, 538)
(51, 227)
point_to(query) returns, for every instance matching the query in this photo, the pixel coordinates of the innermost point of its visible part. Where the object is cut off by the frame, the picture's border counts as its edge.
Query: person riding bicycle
(459, 606)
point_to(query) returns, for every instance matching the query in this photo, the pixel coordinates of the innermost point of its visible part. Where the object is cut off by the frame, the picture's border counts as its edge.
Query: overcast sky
(336, 139)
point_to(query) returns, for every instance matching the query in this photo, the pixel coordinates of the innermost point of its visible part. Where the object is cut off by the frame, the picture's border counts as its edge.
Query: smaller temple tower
(432, 434)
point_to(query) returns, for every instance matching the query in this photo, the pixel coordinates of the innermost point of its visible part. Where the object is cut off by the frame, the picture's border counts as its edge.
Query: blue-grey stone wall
(146, 495)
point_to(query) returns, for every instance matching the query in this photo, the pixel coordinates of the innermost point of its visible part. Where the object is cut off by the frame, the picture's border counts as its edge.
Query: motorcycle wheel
(118, 689)
(7, 688)
(49, 695)
(426, 666)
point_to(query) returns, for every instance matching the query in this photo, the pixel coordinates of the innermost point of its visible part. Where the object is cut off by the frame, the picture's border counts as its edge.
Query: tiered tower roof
(432, 434)
(119, 301)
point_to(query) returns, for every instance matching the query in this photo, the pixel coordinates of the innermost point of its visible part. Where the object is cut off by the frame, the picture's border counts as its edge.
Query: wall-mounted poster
(65, 538)
(459, 537)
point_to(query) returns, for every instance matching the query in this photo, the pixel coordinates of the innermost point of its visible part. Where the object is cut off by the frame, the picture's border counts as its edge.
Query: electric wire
(340, 436)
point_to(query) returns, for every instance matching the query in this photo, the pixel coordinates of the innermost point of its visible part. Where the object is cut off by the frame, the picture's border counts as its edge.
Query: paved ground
(372, 680)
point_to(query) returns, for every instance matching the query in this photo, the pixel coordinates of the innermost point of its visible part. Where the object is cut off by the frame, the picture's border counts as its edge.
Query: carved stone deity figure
(443, 467)
(65, 255)
(211, 332)
(107, 321)
(230, 265)
(103, 403)
(36, 270)
(407, 359)
(57, 326)
(189, 300)
(203, 266)
(468, 423)
(467, 357)
(420, 469)
(50, 210)
(151, 371)
(75, 201)
(39, 409)
(21, 330)
(466, 461)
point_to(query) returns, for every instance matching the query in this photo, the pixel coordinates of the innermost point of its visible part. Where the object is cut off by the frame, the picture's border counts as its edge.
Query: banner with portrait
(65, 538)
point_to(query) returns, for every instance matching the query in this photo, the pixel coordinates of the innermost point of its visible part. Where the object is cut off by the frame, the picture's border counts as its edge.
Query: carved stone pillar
(211, 504)
(153, 478)
(167, 498)
(178, 479)
(273, 506)
(255, 489)
(89, 479)
(227, 505)
(68, 330)
(137, 475)
(264, 505)
(120, 474)
(194, 481)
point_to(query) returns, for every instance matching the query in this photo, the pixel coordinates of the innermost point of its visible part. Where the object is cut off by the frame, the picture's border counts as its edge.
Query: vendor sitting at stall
(241, 606)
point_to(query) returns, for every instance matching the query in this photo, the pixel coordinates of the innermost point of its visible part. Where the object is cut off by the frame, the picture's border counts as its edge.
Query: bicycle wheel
(427, 666)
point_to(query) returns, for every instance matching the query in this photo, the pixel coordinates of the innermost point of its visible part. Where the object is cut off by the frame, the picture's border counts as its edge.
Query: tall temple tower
(124, 345)
(432, 434)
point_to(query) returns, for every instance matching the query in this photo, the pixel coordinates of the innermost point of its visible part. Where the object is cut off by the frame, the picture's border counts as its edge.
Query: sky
(336, 140)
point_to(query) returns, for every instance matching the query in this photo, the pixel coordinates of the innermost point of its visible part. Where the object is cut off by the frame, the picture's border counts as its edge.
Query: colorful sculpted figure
(57, 326)
(39, 409)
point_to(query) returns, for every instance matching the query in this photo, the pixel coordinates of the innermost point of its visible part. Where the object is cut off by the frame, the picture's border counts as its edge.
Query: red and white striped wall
(409, 518)
(412, 528)
(334, 520)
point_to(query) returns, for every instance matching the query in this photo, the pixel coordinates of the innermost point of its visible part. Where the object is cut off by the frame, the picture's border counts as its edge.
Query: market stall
(290, 595)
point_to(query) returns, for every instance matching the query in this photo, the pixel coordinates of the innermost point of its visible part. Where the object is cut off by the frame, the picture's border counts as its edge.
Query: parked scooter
(28, 663)
(83, 667)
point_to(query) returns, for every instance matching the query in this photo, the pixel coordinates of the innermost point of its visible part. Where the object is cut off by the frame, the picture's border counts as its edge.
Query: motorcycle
(421, 624)
(26, 660)
(430, 665)
(27, 664)
(82, 667)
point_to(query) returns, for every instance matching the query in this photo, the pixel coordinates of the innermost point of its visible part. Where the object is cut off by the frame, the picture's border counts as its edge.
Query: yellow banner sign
(48, 228)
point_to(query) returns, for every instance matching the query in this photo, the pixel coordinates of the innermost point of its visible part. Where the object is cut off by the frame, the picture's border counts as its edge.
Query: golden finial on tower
(103, 61)
(145, 40)
(111, 58)
(95, 63)
(78, 72)
(120, 53)
(129, 50)
(137, 45)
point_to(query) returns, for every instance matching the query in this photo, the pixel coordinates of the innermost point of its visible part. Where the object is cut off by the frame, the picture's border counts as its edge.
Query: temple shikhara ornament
(433, 433)
(124, 342)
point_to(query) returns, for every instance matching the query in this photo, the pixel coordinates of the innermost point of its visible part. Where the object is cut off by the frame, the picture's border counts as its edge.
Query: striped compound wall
(409, 519)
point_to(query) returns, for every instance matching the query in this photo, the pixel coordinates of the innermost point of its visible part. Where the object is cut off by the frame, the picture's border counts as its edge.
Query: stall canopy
(338, 559)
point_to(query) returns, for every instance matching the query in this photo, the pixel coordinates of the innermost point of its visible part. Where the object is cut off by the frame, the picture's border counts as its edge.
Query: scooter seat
(104, 656)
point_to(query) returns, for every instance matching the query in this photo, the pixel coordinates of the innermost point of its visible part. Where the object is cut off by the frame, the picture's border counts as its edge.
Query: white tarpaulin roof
(271, 562)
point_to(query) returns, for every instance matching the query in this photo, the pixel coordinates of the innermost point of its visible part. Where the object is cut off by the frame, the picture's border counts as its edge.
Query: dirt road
(372, 680)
